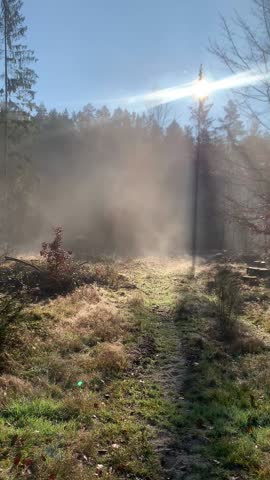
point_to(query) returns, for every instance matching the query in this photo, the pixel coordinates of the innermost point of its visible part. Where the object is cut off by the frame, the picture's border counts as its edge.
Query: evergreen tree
(231, 125)
(200, 116)
(16, 95)
(18, 77)
(174, 130)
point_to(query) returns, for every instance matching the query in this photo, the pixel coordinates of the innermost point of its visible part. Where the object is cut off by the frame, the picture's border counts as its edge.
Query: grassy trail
(90, 381)
(217, 381)
(130, 378)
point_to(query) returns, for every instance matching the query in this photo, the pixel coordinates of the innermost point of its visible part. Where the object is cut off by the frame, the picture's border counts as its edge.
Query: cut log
(250, 280)
(258, 272)
(259, 264)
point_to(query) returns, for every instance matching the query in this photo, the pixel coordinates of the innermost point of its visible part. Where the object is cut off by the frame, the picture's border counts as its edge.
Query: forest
(135, 271)
(131, 178)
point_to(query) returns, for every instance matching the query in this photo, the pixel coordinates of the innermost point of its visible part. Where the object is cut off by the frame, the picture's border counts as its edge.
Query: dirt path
(162, 283)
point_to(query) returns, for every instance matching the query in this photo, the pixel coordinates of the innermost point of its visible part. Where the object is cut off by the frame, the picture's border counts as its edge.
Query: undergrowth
(77, 397)
(95, 382)
(227, 384)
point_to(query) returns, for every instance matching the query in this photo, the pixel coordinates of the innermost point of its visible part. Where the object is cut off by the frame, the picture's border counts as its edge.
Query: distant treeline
(120, 182)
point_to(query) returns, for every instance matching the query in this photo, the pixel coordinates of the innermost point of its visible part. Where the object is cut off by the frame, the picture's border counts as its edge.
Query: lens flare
(200, 89)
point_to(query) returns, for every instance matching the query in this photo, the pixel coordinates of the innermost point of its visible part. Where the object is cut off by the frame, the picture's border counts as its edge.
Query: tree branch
(27, 264)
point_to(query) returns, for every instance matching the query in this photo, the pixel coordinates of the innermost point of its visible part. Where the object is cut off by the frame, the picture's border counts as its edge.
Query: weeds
(72, 407)
(228, 293)
(87, 391)
(111, 358)
(10, 309)
(226, 389)
(105, 274)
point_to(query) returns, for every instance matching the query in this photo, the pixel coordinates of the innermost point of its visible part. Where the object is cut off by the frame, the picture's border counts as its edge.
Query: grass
(133, 377)
(227, 417)
(78, 393)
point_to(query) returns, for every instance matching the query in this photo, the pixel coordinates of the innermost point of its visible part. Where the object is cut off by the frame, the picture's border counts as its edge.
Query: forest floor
(131, 378)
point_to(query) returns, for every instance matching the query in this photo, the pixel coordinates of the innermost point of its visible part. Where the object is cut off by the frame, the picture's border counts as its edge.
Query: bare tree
(161, 114)
(245, 48)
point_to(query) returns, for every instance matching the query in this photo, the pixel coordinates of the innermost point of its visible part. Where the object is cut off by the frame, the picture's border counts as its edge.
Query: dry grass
(106, 274)
(88, 294)
(82, 403)
(111, 358)
(71, 350)
(247, 344)
(259, 314)
(86, 444)
(11, 386)
(65, 372)
(257, 368)
(92, 323)
(136, 301)
(103, 320)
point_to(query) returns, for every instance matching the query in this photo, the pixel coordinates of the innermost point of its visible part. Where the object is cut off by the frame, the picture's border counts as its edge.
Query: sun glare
(202, 89)
(199, 89)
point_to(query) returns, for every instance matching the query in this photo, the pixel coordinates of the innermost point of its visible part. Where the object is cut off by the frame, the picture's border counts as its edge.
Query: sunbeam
(199, 89)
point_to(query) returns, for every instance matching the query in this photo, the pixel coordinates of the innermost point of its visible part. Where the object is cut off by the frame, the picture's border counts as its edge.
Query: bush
(61, 271)
(59, 266)
(229, 299)
(106, 274)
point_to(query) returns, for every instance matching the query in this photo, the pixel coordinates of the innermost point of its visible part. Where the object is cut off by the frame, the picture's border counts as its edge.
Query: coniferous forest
(130, 173)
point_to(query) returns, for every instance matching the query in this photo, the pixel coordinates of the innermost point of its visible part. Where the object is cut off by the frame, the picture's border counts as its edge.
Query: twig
(12, 259)
(83, 263)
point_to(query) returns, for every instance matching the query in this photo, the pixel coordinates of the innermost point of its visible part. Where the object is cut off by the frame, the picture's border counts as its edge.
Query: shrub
(228, 293)
(106, 274)
(59, 265)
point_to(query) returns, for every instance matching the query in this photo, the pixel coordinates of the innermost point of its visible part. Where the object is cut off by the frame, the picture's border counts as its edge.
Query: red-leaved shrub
(58, 261)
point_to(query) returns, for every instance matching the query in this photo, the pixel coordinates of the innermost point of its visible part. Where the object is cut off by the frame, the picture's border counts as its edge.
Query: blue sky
(99, 50)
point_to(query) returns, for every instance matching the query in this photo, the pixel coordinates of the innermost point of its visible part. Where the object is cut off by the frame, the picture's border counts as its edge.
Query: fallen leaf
(17, 460)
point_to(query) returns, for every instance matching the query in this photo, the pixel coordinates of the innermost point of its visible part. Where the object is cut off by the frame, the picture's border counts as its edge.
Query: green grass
(111, 419)
(227, 411)
(182, 387)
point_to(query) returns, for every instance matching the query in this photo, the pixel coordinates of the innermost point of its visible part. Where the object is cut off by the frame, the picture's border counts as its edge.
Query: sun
(201, 89)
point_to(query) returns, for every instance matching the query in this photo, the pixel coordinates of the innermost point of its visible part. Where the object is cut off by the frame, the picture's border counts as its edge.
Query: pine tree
(231, 125)
(174, 130)
(200, 116)
(19, 78)
(16, 93)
